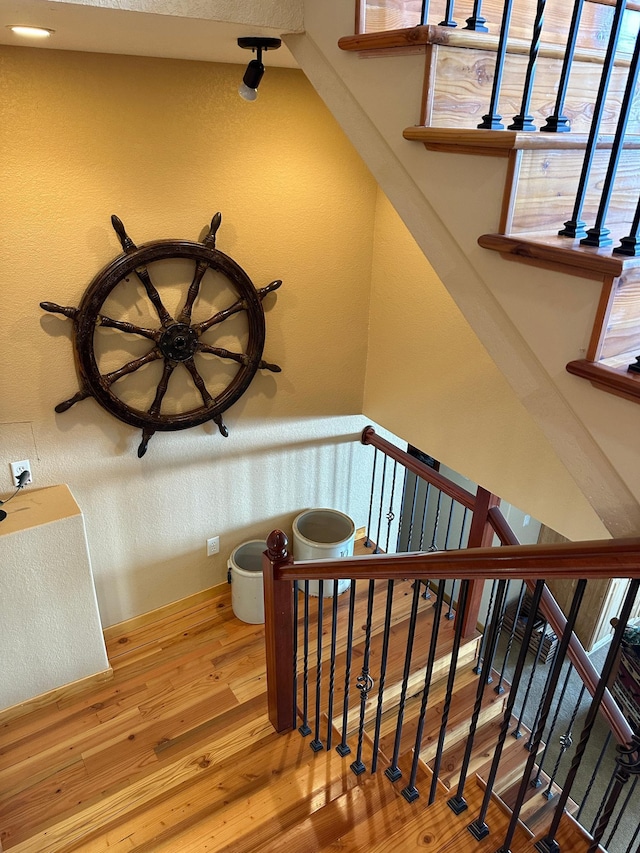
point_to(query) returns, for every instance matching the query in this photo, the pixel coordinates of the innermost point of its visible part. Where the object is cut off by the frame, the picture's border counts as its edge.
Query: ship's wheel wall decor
(176, 341)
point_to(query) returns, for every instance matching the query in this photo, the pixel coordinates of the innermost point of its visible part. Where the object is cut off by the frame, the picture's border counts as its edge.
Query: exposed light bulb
(247, 92)
(31, 32)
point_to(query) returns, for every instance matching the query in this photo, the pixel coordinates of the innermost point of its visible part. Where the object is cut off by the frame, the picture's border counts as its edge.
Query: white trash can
(323, 534)
(245, 568)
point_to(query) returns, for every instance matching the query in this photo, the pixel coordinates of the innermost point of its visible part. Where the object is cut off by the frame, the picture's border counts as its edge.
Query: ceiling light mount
(255, 69)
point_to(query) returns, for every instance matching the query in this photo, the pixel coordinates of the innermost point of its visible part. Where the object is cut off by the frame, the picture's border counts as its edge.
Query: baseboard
(121, 629)
(58, 694)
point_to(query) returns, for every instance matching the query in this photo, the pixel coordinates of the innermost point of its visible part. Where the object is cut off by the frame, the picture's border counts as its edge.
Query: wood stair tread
(476, 141)
(432, 34)
(463, 698)
(482, 755)
(537, 810)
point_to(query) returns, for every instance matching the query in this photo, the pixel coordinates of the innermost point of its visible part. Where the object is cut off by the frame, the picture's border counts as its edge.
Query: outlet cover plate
(17, 468)
(213, 546)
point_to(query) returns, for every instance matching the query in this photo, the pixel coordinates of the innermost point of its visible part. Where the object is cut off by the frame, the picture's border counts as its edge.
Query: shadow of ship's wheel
(175, 341)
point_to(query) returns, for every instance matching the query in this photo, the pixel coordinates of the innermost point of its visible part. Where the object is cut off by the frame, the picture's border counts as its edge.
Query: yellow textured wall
(164, 144)
(430, 380)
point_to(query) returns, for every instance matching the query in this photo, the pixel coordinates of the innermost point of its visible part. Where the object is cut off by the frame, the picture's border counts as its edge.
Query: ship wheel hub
(178, 342)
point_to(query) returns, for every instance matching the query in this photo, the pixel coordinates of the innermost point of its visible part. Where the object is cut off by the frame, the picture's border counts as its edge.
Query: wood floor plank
(176, 752)
(73, 827)
(269, 809)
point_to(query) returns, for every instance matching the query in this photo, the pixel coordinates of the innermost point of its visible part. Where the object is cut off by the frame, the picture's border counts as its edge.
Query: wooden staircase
(543, 168)
(176, 754)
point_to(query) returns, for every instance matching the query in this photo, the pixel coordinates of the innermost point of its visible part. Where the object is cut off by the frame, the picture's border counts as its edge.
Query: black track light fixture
(255, 69)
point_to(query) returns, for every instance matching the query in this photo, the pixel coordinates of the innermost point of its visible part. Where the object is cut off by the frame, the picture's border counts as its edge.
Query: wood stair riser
(461, 79)
(541, 189)
(621, 327)
(383, 15)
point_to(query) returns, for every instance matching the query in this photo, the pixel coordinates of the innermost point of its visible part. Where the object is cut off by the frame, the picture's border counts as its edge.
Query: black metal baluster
(548, 843)
(499, 631)
(393, 772)
(457, 803)
(305, 729)
(412, 517)
(448, 15)
(316, 743)
(479, 828)
(425, 506)
(424, 13)
(483, 642)
(450, 614)
(343, 747)
(575, 227)
(623, 809)
(410, 793)
(630, 245)
(390, 514)
(516, 733)
(594, 775)
(462, 530)
(377, 549)
(636, 835)
(566, 740)
(400, 522)
(556, 668)
(491, 121)
(599, 235)
(436, 522)
(524, 121)
(446, 535)
(536, 782)
(603, 803)
(383, 673)
(476, 21)
(499, 689)
(367, 540)
(627, 764)
(549, 684)
(332, 670)
(558, 122)
(426, 594)
(364, 682)
(457, 637)
(295, 652)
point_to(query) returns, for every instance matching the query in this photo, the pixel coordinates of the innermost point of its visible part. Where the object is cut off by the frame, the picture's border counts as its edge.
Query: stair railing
(296, 637)
(595, 560)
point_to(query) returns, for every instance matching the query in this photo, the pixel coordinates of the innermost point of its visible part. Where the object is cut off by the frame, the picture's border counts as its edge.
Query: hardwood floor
(175, 754)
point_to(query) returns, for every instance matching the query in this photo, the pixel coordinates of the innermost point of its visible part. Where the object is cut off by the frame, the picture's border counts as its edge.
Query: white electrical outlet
(213, 546)
(17, 468)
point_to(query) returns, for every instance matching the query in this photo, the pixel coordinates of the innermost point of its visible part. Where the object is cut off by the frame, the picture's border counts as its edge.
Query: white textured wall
(50, 632)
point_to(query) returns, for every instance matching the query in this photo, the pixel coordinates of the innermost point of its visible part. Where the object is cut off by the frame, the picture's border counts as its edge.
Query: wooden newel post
(480, 536)
(278, 628)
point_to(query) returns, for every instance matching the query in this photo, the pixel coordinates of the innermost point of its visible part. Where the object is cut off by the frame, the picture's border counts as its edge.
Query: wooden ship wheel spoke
(176, 341)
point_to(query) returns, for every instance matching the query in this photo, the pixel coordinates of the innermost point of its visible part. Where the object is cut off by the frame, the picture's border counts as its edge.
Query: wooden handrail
(501, 527)
(621, 729)
(370, 436)
(606, 558)
(480, 533)
(593, 559)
